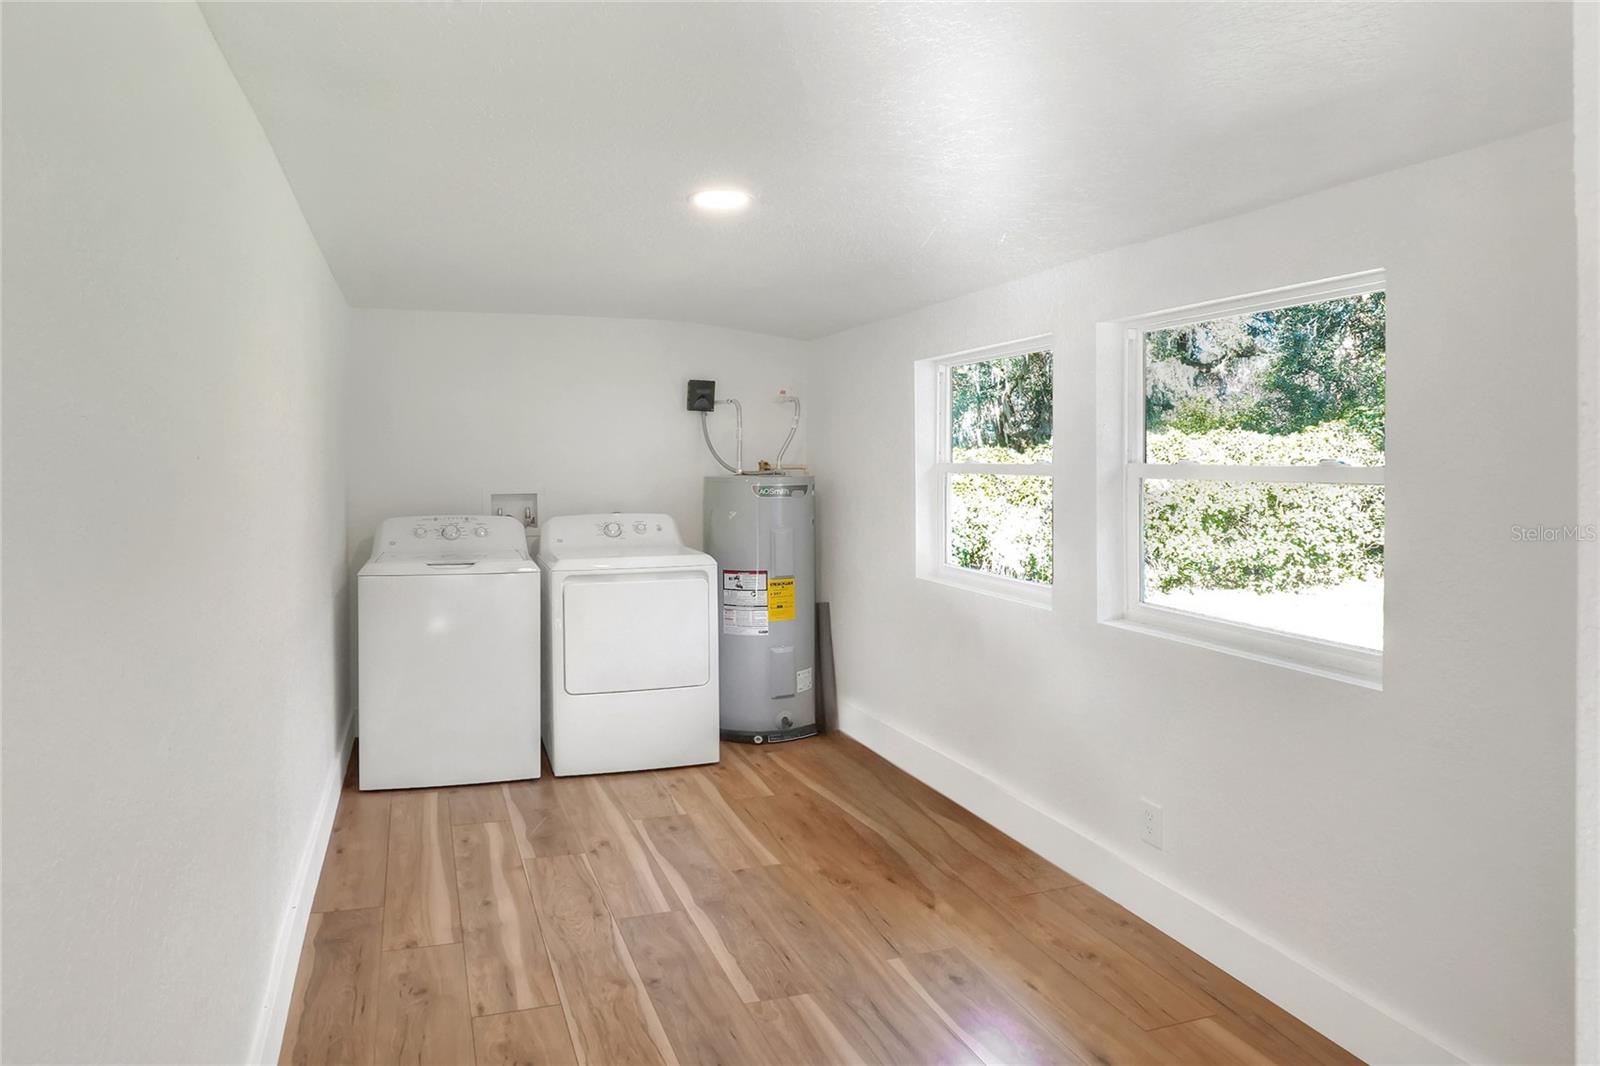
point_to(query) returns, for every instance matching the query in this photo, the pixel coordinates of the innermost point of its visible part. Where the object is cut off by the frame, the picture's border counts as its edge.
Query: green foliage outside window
(1002, 411)
(1287, 387)
(1003, 404)
(1256, 535)
(1292, 386)
(1281, 372)
(1259, 536)
(1003, 523)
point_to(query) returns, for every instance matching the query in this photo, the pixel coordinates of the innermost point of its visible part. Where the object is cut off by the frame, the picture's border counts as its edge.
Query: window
(1253, 477)
(986, 499)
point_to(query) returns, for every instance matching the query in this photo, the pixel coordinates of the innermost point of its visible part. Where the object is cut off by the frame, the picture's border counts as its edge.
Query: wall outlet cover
(1150, 823)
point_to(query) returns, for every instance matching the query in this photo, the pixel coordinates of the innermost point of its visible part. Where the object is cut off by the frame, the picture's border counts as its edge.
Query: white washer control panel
(450, 534)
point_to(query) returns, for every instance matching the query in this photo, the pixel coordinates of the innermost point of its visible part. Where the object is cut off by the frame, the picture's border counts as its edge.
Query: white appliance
(630, 654)
(448, 623)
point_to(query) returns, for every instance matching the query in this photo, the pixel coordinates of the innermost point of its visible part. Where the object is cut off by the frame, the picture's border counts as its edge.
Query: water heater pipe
(794, 425)
(738, 438)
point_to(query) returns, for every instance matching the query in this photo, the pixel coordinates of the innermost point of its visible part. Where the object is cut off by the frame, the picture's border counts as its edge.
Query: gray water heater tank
(760, 528)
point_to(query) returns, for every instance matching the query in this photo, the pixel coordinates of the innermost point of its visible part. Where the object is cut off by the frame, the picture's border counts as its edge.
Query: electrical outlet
(1150, 823)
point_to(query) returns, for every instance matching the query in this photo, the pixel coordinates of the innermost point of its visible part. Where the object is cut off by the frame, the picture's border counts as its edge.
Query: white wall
(1414, 845)
(174, 540)
(588, 412)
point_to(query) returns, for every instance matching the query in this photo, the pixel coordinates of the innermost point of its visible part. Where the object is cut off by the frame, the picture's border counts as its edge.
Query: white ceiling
(538, 158)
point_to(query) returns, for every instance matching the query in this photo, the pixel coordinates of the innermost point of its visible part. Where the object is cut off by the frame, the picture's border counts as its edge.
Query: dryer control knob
(612, 529)
(420, 532)
(451, 532)
(480, 531)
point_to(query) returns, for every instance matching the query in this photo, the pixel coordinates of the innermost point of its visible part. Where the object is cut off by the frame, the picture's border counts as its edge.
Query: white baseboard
(1342, 1014)
(268, 1038)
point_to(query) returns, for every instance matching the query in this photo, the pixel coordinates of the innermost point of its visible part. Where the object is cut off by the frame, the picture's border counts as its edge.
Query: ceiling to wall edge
(923, 306)
(811, 337)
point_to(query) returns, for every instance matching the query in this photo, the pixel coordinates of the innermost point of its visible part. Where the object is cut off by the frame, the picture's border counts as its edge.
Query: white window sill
(1026, 593)
(1338, 662)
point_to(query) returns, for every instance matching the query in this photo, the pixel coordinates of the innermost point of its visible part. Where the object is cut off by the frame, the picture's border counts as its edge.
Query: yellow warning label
(780, 599)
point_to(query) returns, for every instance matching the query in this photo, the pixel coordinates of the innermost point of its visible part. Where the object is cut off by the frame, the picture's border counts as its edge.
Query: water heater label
(744, 603)
(744, 580)
(744, 621)
(780, 599)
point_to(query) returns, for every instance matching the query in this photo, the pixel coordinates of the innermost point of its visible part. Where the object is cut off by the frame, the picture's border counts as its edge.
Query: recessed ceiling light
(721, 199)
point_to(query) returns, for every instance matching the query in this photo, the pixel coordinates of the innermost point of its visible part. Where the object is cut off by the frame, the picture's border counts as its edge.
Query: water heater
(760, 529)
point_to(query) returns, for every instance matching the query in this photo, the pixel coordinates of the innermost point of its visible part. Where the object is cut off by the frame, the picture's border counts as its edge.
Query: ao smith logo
(1582, 534)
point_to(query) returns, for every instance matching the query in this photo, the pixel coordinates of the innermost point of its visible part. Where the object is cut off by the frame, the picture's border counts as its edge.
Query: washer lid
(397, 564)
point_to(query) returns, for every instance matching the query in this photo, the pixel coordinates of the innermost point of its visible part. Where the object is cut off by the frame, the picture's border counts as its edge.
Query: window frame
(1122, 599)
(935, 465)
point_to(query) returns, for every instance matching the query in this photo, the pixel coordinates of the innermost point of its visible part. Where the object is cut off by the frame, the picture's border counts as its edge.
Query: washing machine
(630, 652)
(448, 653)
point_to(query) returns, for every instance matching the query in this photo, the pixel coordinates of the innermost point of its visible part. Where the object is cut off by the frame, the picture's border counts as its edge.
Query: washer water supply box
(761, 530)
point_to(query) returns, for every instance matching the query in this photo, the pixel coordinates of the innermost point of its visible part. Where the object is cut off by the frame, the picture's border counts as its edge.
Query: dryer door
(634, 631)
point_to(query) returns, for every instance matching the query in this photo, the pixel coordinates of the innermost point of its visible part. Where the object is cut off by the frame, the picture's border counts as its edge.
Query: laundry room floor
(807, 903)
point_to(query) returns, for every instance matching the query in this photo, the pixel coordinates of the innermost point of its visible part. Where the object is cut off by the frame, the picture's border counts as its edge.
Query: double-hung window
(986, 492)
(1253, 483)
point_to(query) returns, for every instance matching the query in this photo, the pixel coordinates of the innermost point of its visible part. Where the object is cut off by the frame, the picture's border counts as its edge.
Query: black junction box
(702, 395)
